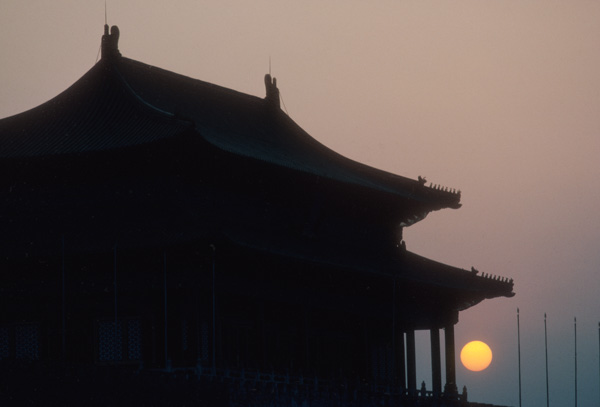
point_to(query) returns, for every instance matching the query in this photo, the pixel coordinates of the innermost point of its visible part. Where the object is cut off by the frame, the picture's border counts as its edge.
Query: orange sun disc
(476, 356)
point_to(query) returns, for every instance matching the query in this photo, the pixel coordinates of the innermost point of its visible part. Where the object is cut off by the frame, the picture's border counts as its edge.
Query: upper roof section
(121, 102)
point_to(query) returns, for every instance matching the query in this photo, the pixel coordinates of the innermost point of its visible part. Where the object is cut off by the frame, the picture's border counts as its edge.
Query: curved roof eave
(407, 266)
(249, 126)
(96, 113)
(121, 102)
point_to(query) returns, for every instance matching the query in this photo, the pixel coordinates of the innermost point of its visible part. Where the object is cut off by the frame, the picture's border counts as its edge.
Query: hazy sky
(497, 98)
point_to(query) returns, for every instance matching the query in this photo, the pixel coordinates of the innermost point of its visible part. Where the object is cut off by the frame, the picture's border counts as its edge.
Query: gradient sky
(497, 98)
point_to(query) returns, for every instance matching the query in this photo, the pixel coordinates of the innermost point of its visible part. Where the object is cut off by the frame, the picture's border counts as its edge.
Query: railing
(250, 387)
(202, 386)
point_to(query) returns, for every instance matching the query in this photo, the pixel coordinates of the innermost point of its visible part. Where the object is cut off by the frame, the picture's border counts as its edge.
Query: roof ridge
(180, 76)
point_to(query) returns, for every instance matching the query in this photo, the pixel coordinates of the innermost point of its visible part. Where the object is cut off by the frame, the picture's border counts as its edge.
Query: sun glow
(476, 356)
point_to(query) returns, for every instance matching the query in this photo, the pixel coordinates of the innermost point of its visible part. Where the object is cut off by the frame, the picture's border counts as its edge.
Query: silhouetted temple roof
(122, 102)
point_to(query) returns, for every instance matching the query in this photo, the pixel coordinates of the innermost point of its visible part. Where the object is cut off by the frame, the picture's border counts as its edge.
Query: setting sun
(476, 356)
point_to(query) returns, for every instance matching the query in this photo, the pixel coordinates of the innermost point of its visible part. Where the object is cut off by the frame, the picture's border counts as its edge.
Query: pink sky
(500, 99)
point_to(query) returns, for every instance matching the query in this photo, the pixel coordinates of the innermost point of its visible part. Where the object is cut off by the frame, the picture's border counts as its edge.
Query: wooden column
(436, 366)
(306, 363)
(262, 336)
(450, 389)
(411, 362)
(400, 360)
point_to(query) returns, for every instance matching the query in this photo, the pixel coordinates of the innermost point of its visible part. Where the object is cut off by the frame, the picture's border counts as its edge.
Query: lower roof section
(469, 287)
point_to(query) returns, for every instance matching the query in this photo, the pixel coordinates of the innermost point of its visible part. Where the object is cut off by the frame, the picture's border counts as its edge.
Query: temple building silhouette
(152, 222)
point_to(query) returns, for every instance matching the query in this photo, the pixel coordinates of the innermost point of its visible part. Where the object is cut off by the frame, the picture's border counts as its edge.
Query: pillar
(411, 362)
(400, 360)
(450, 389)
(306, 364)
(262, 336)
(436, 366)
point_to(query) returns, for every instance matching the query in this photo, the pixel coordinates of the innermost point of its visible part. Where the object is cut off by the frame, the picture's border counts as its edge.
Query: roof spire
(110, 42)
(272, 91)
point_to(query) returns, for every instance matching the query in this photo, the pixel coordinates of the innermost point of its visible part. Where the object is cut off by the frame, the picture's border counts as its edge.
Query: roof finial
(110, 42)
(272, 91)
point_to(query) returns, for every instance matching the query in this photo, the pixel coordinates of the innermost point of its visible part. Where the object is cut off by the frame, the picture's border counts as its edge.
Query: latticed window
(110, 341)
(20, 341)
(134, 339)
(27, 341)
(120, 341)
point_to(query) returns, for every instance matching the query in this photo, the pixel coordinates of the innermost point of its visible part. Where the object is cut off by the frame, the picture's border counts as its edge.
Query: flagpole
(519, 353)
(546, 343)
(575, 331)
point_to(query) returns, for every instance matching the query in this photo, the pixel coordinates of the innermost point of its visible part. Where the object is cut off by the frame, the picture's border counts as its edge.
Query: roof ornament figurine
(110, 42)
(272, 91)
